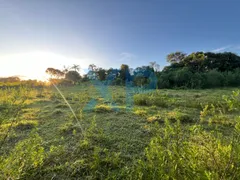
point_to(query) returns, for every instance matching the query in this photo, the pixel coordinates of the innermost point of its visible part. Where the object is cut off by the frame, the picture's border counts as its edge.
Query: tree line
(200, 70)
(194, 70)
(141, 76)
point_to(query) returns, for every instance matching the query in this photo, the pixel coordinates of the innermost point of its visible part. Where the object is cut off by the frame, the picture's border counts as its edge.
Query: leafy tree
(124, 72)
(118, 81)
(182, 77)
(85, 78)
(214, 78)
(92, 73)
(197, 81)
(73, 76)
(175, 57)
(112, 74)
(10, 79)
(92, 67)
(65, 69)
(144, 71)
(195, 61)
(101, 73)
(54, 72)
(155, 66)
(173, 67)
(140, 81)
(143, 75)
(75, 67)
(232, 78)
(226, 61)
(163, 83)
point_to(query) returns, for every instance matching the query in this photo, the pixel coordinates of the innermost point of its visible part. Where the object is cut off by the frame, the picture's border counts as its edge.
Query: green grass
(115, 135)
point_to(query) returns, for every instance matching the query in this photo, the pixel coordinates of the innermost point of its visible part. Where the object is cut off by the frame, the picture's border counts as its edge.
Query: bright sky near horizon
(37, 34)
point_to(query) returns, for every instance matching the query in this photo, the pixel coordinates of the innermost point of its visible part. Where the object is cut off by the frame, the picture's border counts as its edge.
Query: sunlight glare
(33, 65)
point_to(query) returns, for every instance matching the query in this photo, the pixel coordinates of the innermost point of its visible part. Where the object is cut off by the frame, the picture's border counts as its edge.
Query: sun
(32, 65)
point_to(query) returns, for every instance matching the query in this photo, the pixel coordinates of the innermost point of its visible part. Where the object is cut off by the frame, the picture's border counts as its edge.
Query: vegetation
(197, 70)
(123, 123)
(165, 134)
(200, 70)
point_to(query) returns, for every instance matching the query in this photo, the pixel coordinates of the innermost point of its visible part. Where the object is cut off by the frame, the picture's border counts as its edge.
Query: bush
(103, 108)
(158, 101)
(21, 125)
(140, 112)
(182, 77)
(197, 81)
(69, 128)
(25, 125)
(150, 100)
(140, 99)
(189, 153)
(214, 79)
(156, 118)
(176, 115)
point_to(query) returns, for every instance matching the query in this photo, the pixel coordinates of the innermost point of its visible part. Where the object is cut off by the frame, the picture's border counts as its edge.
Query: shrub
(182, 77)
(176, 115)
(140, 99)
(21, 125)
(197, 81)
(27, 124)
(214, 79)
(150, 100)
(189, 153)
(103, 108)
(158, 101)
(155, 118)
(69, 128)
(140, 112)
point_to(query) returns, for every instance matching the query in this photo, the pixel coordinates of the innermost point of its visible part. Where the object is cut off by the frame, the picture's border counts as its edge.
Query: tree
(142, 75)
(75, 67)
(85, 78)
(124, 72)
(182, 77)
(140, 81)
(101, 74)
(65, 69)
(195, 61)
(92, 67)
(155, 66)
(144, 71)
(92, 74)
(112, 74)
(226, 61)
(10, 79)
(54, 72)
(175, 57)
(73, 76)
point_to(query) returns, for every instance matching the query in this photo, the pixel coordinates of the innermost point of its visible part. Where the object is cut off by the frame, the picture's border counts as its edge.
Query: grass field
(119, 133)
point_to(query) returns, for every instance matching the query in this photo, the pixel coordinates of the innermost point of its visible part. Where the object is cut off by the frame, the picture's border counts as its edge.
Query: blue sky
(110, 32)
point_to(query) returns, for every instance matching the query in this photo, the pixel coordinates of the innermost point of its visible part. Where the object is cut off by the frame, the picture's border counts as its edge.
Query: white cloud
(221, 49)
